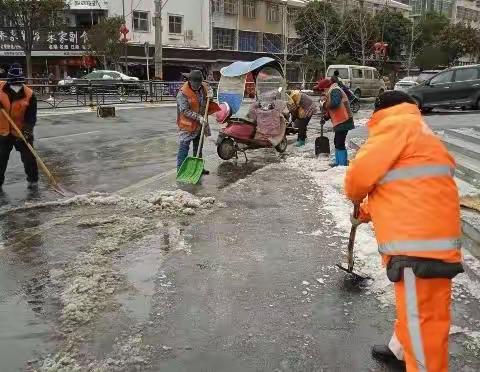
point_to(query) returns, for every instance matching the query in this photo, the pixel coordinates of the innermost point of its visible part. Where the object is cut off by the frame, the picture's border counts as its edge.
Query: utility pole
(125, 55)
(285, 37)
(158, 41)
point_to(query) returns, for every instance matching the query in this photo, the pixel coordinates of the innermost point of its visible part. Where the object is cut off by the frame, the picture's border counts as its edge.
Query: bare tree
(29, 18)
(360, 33)
(322, 29)
(413, 46)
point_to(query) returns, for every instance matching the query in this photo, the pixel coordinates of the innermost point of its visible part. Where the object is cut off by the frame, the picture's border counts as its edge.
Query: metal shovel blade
(322, 145)
(356, 274)
(191, 170)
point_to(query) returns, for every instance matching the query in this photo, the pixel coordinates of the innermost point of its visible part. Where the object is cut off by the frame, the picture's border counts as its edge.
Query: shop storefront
(61, 53)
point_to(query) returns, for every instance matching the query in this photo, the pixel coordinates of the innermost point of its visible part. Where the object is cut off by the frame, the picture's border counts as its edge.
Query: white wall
(115, 9)
(195, 17)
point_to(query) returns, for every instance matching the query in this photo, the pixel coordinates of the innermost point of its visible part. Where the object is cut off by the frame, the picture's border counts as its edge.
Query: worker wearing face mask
(20, 103)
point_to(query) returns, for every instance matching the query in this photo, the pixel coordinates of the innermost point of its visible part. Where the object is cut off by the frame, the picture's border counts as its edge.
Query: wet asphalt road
(237, 300)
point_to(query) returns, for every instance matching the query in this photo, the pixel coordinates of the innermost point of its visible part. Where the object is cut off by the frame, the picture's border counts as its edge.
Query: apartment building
(374, 6)
(467, 11)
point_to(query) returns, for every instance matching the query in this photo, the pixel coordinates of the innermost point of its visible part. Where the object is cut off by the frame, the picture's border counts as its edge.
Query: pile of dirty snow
(175, 202)
(90, 279)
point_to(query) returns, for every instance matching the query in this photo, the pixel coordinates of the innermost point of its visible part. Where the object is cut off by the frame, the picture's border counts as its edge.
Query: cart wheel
(282, 146)
(226, 149)
(355, 105)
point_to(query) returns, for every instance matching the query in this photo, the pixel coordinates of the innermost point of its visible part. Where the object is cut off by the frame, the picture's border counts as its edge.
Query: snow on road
(466, 287)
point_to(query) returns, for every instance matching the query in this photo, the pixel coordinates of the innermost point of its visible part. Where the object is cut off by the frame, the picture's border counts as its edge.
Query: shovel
(351, 241)
(322, 144)
(192, 167)
(42, 165)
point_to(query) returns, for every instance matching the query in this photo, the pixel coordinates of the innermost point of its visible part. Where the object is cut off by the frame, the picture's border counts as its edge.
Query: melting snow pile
(90, 278)
(178, 202)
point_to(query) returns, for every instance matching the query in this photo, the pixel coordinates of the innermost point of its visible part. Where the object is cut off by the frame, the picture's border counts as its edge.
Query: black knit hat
(15, 74)
(392, 98)
(195, 75)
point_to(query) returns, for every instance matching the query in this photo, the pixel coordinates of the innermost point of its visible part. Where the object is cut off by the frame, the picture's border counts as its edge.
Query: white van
(364, 81)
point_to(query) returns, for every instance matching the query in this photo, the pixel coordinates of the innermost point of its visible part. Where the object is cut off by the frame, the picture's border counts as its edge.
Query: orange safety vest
(407, 174)
(16, 110)
(184, 122)
(341, 113)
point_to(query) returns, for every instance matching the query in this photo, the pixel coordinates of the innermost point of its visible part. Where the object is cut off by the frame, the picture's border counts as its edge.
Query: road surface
(172, 282)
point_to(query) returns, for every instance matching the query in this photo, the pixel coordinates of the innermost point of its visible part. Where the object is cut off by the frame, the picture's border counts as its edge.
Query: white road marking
(68, 135)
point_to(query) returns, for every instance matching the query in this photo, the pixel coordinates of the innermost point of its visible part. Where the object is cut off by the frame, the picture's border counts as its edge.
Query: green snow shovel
(191, 169)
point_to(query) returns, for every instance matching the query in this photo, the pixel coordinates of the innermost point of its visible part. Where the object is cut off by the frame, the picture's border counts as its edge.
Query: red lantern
(124, 31)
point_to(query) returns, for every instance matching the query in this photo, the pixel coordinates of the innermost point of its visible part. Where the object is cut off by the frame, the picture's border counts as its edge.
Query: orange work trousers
(423, 322)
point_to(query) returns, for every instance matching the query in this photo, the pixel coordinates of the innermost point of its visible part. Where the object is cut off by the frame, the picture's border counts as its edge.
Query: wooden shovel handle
(351, 240)
(32, 150)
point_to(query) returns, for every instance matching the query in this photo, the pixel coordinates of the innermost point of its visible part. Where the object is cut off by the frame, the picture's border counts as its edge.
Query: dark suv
(453, 87)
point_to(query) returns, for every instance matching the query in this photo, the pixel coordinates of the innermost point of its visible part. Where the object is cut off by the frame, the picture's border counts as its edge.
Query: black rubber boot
(383, 353)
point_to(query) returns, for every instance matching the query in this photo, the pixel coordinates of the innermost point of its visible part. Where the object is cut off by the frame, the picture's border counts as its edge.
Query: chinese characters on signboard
(65, 40)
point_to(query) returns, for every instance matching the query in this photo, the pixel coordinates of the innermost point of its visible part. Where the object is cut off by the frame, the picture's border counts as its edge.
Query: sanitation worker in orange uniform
(404, 176)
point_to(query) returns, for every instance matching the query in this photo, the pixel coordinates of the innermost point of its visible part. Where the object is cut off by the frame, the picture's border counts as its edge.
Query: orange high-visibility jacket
(184, 122)
(341, 113)
(407, 174)
(16, 110)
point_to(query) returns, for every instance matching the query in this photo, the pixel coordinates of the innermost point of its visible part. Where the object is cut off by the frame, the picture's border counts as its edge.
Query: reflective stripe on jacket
(16, 109)
(407, 174)
(338, 115)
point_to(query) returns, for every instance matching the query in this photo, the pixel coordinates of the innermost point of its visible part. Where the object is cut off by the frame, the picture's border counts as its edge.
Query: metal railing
(81, 93)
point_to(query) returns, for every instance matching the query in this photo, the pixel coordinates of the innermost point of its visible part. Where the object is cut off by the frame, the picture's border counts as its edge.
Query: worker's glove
(355, 221)
(28, 134)
(203, 121)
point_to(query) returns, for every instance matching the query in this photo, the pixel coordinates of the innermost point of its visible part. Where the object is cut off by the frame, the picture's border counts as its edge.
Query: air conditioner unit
(189, 34)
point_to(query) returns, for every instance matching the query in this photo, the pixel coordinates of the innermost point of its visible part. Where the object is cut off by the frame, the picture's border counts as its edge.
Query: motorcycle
(264, 126)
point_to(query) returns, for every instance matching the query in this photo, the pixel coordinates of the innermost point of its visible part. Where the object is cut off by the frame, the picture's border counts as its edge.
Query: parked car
(453, 87)
(406, 83)
(426, 74)
(364, 81)
(103, 80)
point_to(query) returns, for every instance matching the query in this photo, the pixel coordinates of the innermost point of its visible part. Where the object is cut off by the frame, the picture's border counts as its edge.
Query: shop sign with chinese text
(67, 42)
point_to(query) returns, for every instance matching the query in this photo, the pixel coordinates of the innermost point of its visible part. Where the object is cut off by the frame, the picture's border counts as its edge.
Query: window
(175, 24)
(249, 9)
(273, 12)
(368, 74)
(443, 78)
(342, 72)
(357, 73)
(272, 43)
(376, 75)
(230, 6)
(248, 41)
(140, 21)
(216, 6)
(466, 74)
(223, 38)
